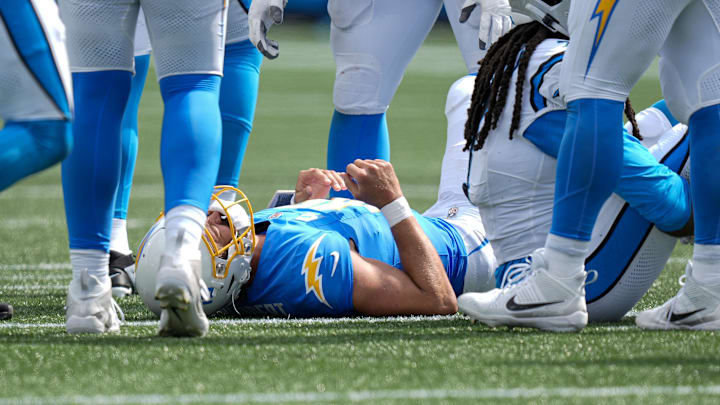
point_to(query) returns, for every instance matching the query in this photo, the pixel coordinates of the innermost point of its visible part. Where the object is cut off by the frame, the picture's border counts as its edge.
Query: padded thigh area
(372, 46)
(690, 74)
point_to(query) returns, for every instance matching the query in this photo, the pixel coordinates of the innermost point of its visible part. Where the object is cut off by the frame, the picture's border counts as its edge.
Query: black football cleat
(6, 311)
(122, 274)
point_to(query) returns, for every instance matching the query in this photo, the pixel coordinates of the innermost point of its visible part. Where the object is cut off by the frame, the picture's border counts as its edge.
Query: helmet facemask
(553, 14)
(230, 260)
(224, 264)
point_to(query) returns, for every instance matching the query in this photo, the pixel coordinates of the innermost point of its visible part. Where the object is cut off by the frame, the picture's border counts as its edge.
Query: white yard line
(54, 192)
(37, 266)
(264, 321)
(24, 277)
(36, 287)
(55, 221)
(379, 395)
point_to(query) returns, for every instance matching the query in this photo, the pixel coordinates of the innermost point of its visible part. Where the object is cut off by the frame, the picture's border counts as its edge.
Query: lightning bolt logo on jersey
(603, 11)
(305, 267)
(313, 281)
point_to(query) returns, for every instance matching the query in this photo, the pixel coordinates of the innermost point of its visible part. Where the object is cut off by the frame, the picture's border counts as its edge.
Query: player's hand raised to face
(373, 182)
(316, 183)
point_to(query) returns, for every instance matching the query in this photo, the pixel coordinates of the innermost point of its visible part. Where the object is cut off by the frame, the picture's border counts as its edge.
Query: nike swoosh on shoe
(514, 306)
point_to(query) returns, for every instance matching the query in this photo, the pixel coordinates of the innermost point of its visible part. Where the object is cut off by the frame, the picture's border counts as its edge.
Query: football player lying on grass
(339, 257)
(512, 181)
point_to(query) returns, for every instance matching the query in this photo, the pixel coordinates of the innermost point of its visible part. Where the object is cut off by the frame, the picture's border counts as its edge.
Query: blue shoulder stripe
(31, 44)
(537, 101)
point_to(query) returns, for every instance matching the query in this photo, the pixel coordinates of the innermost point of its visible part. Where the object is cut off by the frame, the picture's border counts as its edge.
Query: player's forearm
(423, 265)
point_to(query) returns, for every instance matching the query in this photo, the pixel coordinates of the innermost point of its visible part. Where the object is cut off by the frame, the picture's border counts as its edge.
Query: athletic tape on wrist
(396, 211)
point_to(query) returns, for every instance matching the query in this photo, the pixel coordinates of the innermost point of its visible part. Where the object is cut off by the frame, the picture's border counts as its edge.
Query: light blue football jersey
(305, 268)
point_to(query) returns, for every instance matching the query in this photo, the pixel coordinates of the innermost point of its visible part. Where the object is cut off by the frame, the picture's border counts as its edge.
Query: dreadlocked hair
(493, 80)
(630, 114)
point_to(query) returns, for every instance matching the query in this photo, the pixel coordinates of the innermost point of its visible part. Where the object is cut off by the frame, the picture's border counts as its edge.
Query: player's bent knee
(53, 140)
(686, 97)
(236, 121)
(357, 85)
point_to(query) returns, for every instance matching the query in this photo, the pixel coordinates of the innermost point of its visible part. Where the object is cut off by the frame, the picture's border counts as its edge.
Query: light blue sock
(704, 128)
(356, 137)
(26, 147)
(91, 172)
(191, 136)
(129, 133)
(238, 96)
(589, 164)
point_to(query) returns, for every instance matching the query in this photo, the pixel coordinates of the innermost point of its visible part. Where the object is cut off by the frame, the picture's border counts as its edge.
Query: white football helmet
(551, 13)
(225, 267)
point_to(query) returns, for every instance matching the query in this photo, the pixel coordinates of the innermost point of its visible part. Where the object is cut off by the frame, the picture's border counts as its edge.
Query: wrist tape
(396, 211)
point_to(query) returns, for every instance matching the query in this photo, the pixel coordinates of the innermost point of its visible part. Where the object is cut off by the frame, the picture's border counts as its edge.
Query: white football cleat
(695, 307)
(91, 307)
(538, 300)
(179, 291)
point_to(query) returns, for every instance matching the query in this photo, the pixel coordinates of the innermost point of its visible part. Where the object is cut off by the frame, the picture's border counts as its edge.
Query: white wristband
(396, 211)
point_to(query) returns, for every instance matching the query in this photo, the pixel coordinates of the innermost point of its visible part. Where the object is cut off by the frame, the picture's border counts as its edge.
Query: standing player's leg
(466, 34)
(238, 96)
(100, 50)
(690, 79)
(372, 47)
(190, 147)
(590, 156)
(36, 92)
(121, 258)
(122, 261)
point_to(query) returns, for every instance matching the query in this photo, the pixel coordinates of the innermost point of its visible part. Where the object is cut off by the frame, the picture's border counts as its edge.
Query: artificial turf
(395, 360)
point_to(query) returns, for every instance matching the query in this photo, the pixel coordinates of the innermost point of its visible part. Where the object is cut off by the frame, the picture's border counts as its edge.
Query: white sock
(706, 263)
(94, 261)
(565, 256)
(118, 236)
(184, 226)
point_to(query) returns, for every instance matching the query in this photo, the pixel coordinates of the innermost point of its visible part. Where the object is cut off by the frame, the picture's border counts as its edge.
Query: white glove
(262, 15)
(495, 19)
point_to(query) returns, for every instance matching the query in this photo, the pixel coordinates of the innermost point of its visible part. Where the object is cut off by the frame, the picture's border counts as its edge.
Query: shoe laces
(588, 279)
(538, 264)
(515, 273)
(117, 309)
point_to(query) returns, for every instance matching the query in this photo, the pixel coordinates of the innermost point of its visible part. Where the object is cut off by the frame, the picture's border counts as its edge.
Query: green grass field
(395, 360)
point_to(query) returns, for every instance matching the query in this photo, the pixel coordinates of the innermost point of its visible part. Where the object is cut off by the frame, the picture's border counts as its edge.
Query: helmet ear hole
(220, 268)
